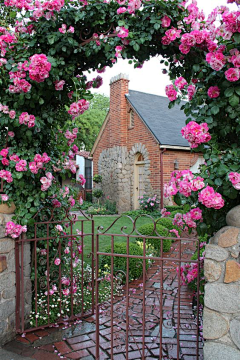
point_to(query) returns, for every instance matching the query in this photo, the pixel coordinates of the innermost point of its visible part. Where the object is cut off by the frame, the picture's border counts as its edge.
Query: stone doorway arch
(139, 178)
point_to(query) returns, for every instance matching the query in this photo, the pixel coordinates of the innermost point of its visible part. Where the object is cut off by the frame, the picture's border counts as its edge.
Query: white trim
(175, 147)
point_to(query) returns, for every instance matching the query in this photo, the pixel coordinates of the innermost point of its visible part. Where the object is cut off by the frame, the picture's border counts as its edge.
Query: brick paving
(179, 332)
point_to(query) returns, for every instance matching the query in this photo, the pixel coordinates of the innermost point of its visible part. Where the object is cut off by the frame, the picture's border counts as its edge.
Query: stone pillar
(221, 316)
(8, 282)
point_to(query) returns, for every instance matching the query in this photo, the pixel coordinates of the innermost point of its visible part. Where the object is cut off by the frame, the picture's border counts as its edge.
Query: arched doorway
(138, 178)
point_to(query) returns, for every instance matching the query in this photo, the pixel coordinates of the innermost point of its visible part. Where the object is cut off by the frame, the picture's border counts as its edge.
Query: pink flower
(71, 30)
(59, 85)
(175, 232)
(4, 197)
(65, 281)
(180, 83)
(121, 10)
(213, 92)
(211, 199)
(82, 180)
(195, 133)
(234, 177)
(165, 213)
(57, 261)
(11, 134)
(14, 157)
(66, 292)
(166, 21)
(171, 92)
(27, 119)
(43, 251)
(14, 230)
(118, 50)
(21, 165)
(63, 29)
(232, 74)
(59, 227)
(12, 114)
(39, 67)
(80, 200)
(191, 91)
(122, 32)
(78, 108)
(4, 152)
(67, 250)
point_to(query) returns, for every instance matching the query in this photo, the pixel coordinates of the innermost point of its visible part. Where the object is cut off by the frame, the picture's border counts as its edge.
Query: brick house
(139, 145)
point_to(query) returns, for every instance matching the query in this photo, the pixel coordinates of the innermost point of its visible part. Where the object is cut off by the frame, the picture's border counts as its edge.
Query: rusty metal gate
(155, 315)
(54, 281)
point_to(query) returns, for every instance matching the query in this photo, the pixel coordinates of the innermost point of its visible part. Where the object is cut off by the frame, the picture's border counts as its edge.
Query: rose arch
(45, 48)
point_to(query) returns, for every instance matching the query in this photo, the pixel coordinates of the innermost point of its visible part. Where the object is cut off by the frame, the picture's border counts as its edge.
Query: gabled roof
(164, 123)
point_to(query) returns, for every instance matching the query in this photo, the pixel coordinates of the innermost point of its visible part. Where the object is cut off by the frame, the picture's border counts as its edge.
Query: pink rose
(57, 261)
(213, 92)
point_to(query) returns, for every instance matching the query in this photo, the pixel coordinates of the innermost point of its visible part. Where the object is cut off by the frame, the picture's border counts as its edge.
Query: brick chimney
(118, 110)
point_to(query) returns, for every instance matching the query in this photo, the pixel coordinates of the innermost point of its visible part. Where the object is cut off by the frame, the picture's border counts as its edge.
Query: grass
(104, 240)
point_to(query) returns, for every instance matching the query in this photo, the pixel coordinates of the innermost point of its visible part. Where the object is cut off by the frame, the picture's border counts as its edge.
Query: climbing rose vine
(44, 51)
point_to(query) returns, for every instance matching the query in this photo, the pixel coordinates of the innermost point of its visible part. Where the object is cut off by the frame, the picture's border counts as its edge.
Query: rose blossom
(57, 261)
(213, 92)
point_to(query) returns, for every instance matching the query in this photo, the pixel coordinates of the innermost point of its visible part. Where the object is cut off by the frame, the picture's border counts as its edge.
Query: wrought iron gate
(156, 316)
(56, 285)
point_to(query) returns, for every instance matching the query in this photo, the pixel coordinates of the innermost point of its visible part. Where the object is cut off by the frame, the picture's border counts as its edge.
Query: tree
(90, 122)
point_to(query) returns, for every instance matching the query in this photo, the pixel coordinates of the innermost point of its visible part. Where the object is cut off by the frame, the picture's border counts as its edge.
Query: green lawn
(105, 222)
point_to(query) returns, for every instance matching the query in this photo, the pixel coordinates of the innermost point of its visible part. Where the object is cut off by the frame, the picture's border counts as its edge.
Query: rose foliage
(45, 46)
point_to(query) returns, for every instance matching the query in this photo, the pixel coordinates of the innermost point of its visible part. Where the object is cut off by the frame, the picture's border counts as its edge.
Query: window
(131, 119)
(88, 174)
(140, 158)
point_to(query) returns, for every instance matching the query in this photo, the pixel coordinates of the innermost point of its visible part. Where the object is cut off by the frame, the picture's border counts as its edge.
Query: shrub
(148, 203)
(168, 224)
(148, 230)
(97, 193)
(111, 206)
(97, 178)
(120, 263)
(173, 208)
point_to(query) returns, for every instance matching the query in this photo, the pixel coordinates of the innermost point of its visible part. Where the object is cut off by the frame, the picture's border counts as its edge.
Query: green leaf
(236, 37)
(13, 14)
(51, 39)
(229, 92)
(196, 67)
(218, 181)
(18, 175)
(215, 110)
(156, 26)
(237, 90)
(41, 101)
(202, 229)
(222, 169)
(136, 47)
(234, 100)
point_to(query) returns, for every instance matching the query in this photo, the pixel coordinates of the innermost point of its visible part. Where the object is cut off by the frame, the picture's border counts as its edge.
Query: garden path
(77, 341)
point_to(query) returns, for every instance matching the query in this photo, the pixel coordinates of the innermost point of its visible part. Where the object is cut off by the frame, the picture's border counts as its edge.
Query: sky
(149, 79)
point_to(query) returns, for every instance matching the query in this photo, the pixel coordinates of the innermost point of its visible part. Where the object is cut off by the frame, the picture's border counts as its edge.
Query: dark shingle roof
(164, 123)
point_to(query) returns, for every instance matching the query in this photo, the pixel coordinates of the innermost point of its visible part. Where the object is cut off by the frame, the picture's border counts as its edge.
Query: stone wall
(8, 283)
(116, 166)
(221, 317)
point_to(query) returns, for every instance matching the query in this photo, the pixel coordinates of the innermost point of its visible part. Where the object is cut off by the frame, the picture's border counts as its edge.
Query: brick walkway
(77, 341)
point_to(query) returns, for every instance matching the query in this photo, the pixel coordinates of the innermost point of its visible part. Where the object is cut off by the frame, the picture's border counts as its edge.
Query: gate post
(221, 318)
(8, 282)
